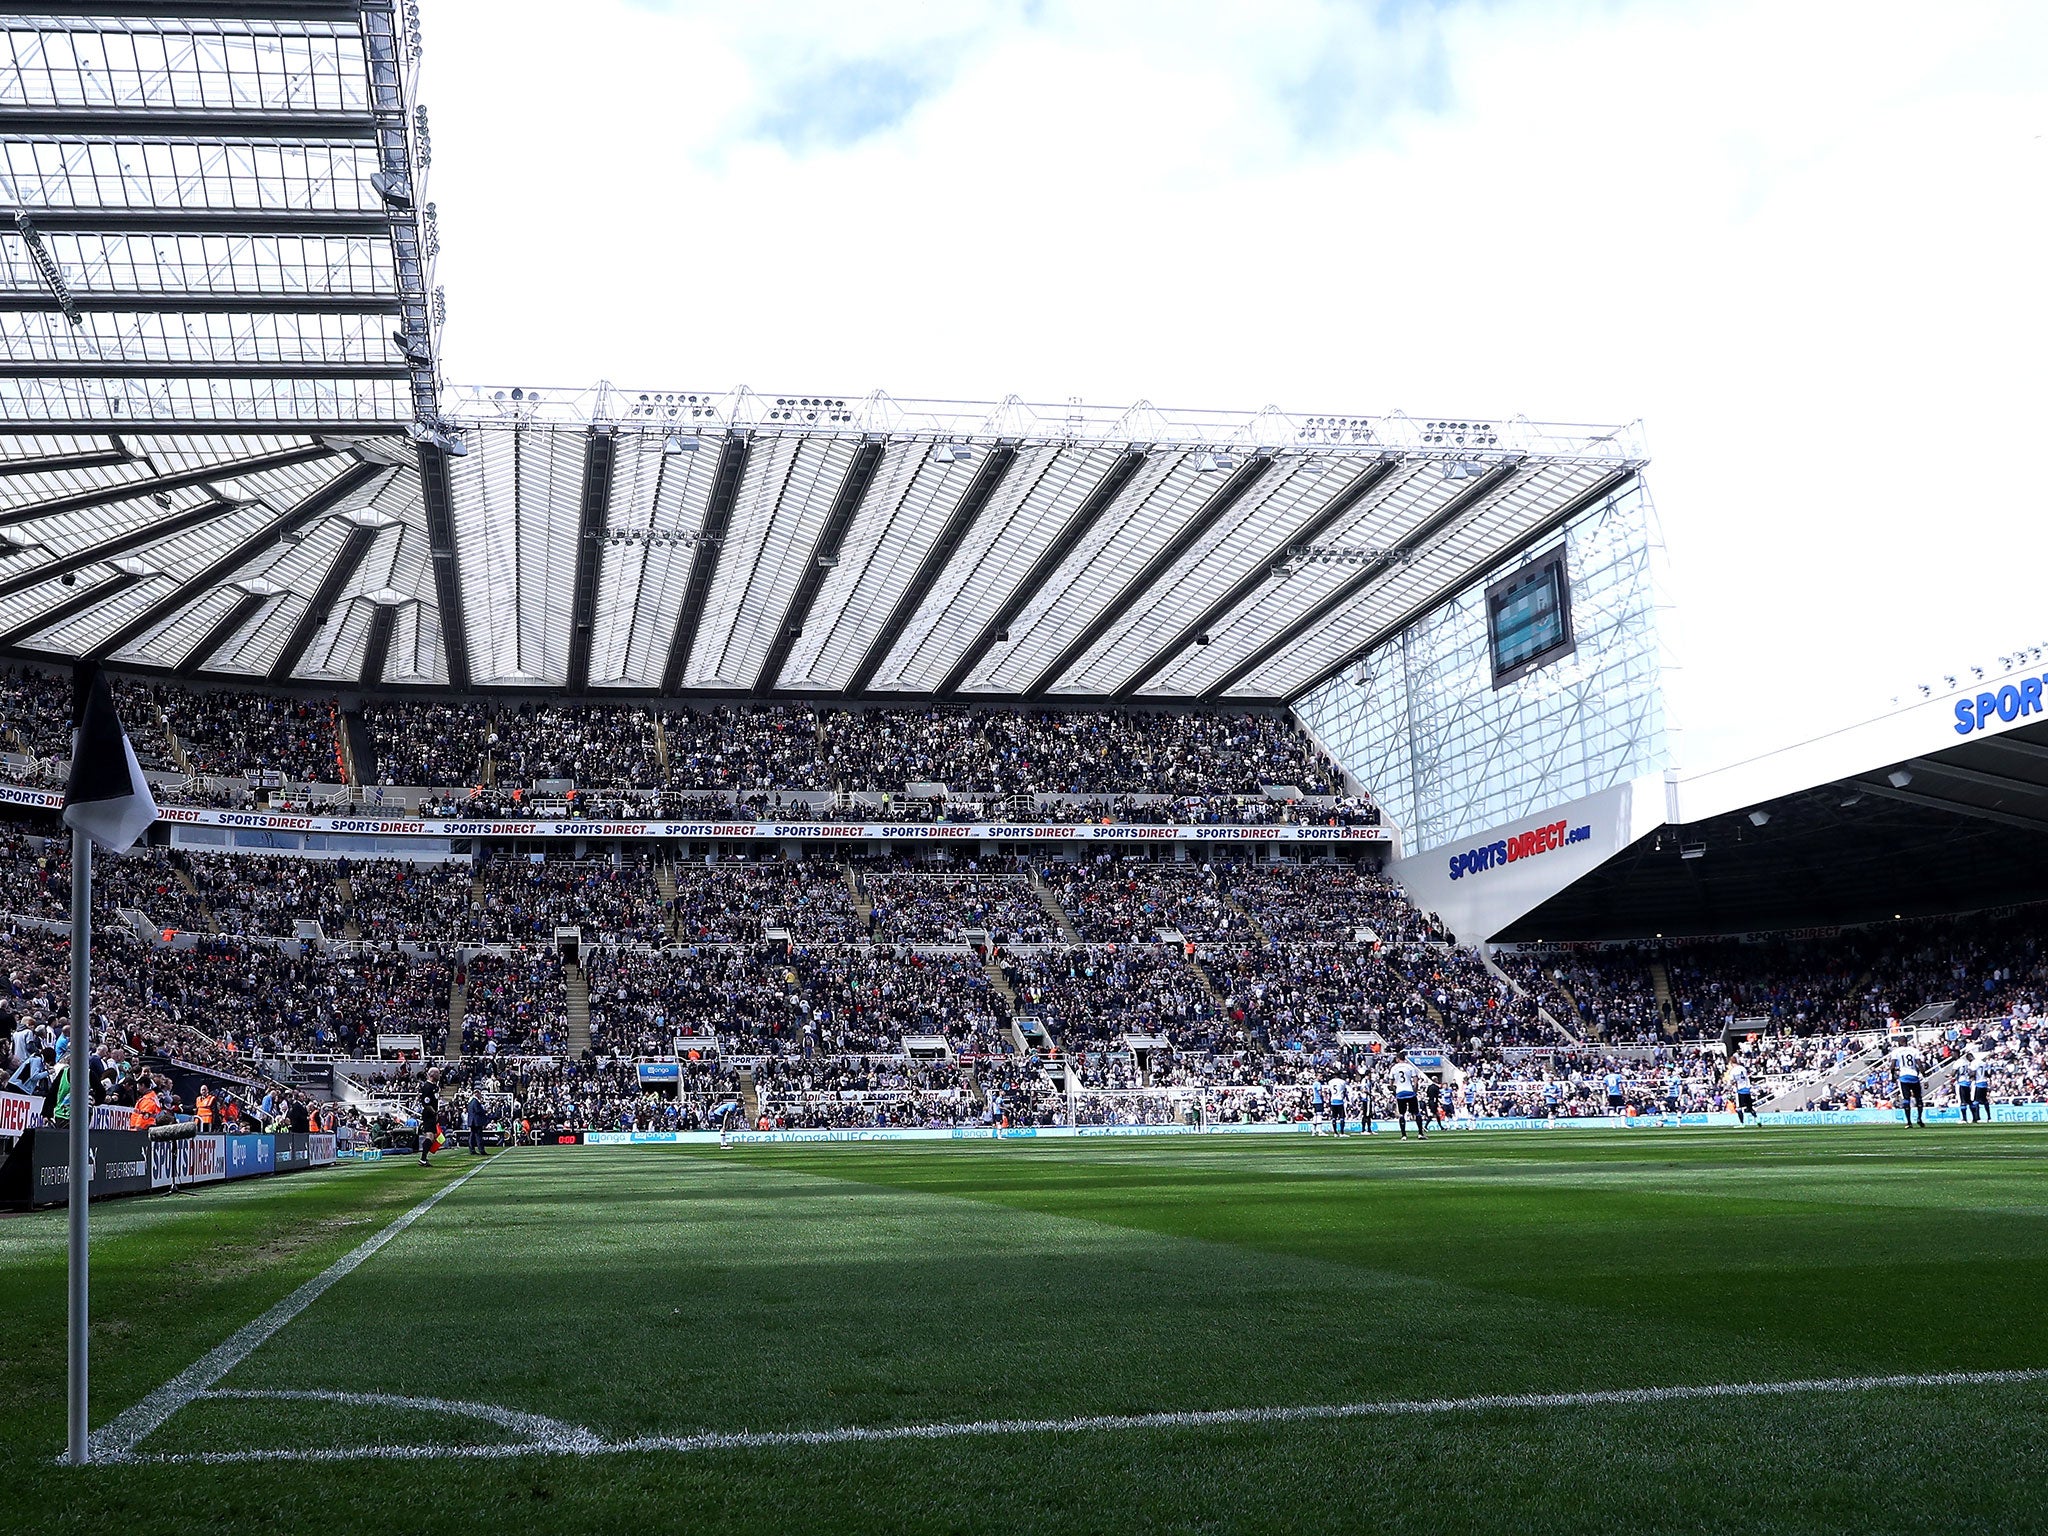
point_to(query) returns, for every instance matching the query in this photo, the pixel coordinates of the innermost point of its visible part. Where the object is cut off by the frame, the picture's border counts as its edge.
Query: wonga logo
(1521, 846)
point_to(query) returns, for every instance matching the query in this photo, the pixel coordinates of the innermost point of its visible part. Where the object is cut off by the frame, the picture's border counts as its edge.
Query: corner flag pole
(80, 1195)
(106, 801)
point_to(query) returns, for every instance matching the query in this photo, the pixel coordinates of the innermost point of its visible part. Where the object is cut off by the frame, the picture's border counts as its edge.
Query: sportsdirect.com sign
(1524, 845)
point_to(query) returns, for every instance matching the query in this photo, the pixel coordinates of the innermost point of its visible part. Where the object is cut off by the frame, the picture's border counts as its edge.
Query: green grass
(641, 1291)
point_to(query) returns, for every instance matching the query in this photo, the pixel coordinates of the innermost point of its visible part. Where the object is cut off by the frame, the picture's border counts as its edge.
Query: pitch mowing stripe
(117, 1439)
(566, 1440)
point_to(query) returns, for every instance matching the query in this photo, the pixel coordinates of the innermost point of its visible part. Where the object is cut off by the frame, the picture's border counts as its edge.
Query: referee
(430, 1113)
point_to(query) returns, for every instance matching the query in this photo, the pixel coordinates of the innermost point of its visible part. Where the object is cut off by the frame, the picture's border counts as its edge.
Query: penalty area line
(116, 1440)
(565, 1440)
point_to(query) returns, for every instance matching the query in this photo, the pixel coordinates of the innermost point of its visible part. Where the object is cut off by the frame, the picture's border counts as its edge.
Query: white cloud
(1801, 242)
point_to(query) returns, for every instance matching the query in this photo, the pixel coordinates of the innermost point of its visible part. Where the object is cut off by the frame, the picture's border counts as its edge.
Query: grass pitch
(667, 1292)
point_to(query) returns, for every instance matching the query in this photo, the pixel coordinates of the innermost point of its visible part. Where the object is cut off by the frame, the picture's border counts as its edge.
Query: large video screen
(1529, 617)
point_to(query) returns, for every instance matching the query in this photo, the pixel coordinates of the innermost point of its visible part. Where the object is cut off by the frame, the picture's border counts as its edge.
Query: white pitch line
(747, 1440)
(542, 1433)
(116, 1440)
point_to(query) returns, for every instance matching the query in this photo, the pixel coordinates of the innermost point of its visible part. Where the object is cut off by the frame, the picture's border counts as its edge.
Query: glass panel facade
(1422, 725)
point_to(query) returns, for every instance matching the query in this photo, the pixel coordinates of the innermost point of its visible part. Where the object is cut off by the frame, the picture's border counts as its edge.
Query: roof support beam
(240, 612)
(184, 480)
(1443, 518)
(50, 370)
(600, 450)
(1977, 776)
(436, 498)
(127, 543)
(1335, 511)
(192, 588)
(353, 548)
(979, 490)
(725, 490)
(197, 221)
(70, 608)
(1085, 517)
(171, 123)
(378, 646)
(179, 303)
(60, 463)
(853, 491)
(1226, 496)
(207, 10)
(2016, 747)
(1522, 541)
(1953, 807)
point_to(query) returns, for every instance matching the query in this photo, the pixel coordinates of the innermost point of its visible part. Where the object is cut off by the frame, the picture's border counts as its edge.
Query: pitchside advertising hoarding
(766, 831)
(128, 1163)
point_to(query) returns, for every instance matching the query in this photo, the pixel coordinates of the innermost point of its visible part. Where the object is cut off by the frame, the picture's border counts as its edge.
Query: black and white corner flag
(106, 797)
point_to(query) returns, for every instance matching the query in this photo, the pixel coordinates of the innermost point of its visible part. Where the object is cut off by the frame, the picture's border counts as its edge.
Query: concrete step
(577, 984)
(458, 1005)
(1068, 933)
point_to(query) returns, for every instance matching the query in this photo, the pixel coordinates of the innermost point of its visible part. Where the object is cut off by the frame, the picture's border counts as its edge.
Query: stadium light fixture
(677, 442)
(954, 453)
(1759, 818)
(1900, 778)
(1213, 463)
(415, 350)
(1691, 851)
(392, 187)
(451, 443)
(1851, 800)
(1463, 469)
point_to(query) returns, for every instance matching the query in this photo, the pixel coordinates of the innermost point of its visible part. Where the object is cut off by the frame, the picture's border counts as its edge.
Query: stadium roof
(226, 449)
(1921, 811)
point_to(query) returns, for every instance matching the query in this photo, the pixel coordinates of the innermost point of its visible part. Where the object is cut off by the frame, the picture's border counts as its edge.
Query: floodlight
(1758, 818)
(415, 350)
(392, 187)
(1463, 469)
(1900, 778)
(1202, 639)
(954, 453)
(1210, 463)
(1852, 800)
(676, 443)
(1691, 851)
(828, 562)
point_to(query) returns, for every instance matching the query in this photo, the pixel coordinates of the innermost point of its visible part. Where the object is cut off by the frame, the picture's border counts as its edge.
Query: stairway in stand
(665, 879)
(577, 984)
(346, 890)
(862, 903)
(750, 1097)
(1053, 910)
(205, 912)
(458, 1006)
(1660, 982)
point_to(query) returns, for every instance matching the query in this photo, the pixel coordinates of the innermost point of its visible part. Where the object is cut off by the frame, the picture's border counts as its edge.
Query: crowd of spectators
(1211, 767)
(918, 907)
(1115, 900)
(737, 901)
(514, 1004)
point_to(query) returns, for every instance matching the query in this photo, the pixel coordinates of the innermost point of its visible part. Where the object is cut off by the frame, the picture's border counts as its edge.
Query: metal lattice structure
(1449, 754)
(226, 449)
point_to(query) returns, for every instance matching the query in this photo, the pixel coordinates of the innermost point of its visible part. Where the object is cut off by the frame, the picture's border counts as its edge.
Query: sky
(1800, 242)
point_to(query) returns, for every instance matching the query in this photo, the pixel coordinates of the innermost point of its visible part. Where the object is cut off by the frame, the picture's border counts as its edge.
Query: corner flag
(106, 796)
